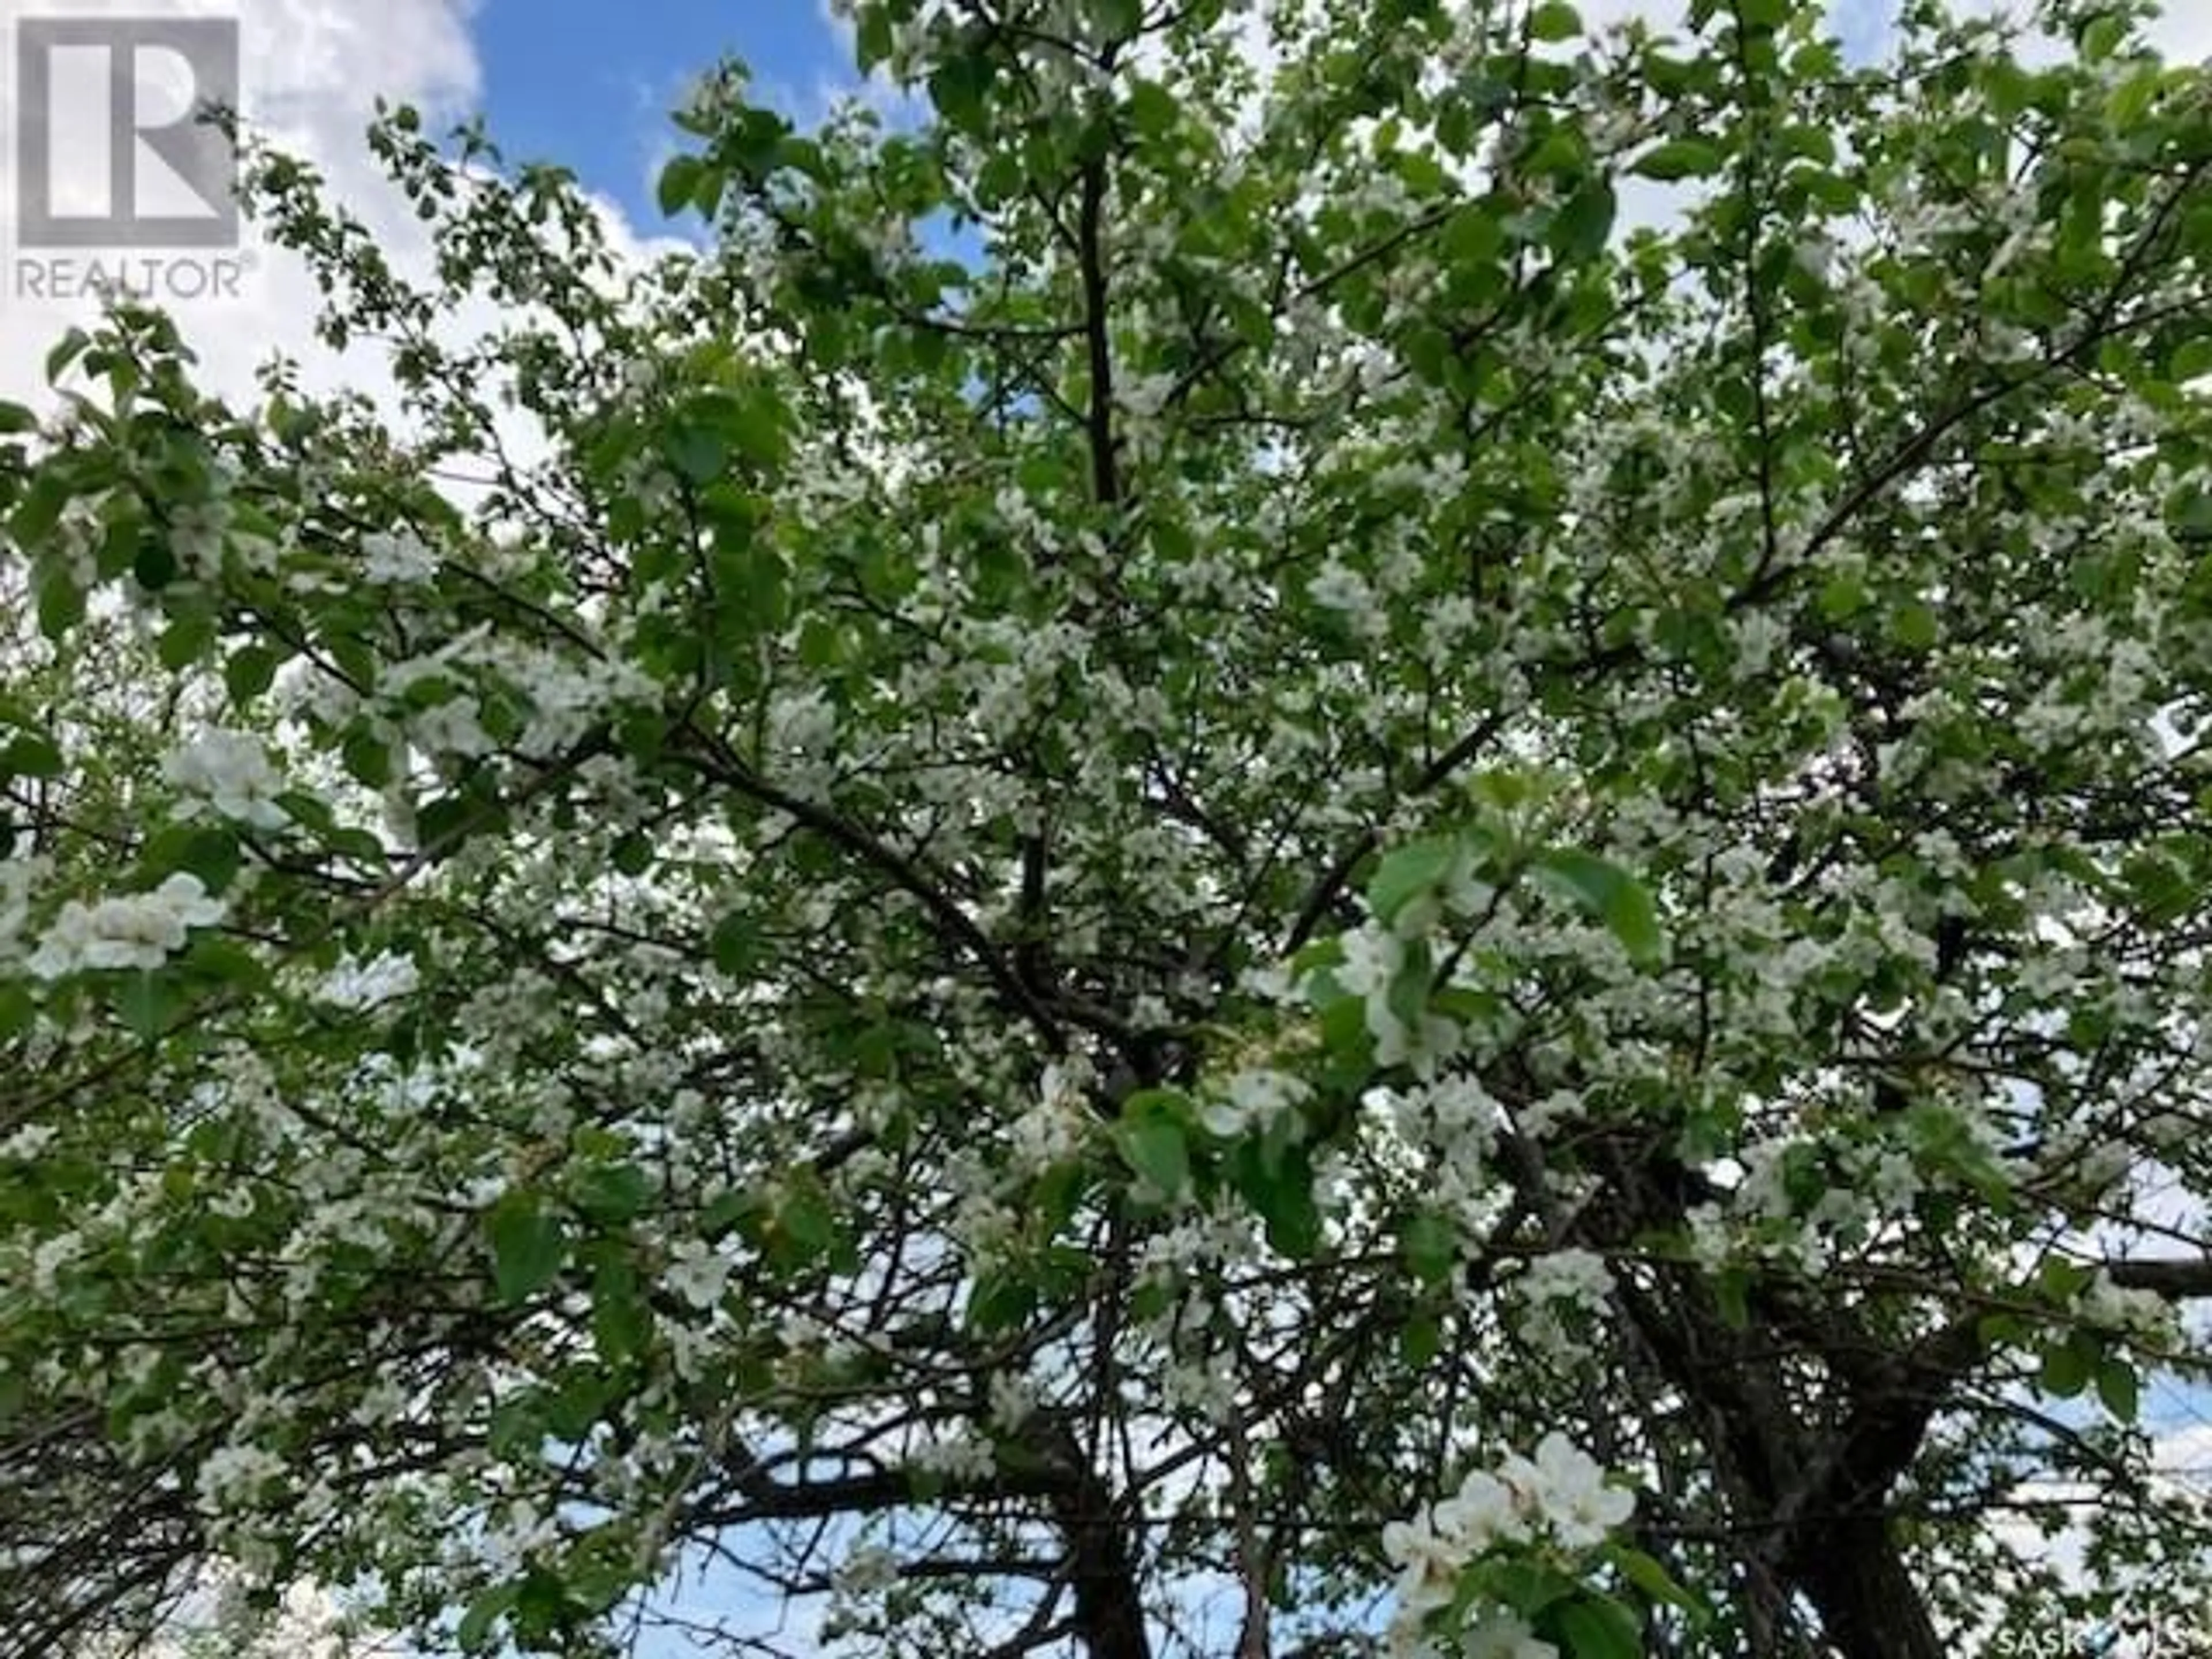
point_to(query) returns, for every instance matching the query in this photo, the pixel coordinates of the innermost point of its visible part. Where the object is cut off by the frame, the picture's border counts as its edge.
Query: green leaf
(736, 946)
(1765, 13)
(1609, 893)
(528, 1246)
(204, 850)
(1000, 1301)
(2191, 360)
(960, 86)
(1152, 110)
(1276, 1181)
(1121, 18)
(543, 1609)
(1680, 158)
(1656, 1583)
(679, 183)
(1153, 1140)
(473, 1634)
(66, 350)
(1732, 1298)
(2068, 1366)
(367, 760)
(2120, 1388)
(1914, 626)
(613, 1194)
(61, 601)
(871, 41)
(13, 418)
(632, 855)
(1842, 596)
(1555, 20)
(1432, 1246)
(1408, 872)
(1529, 1585)
(749, 424)
(153, 563)
(2063, 1280)
(1420, 1340)
(1584, 223)
(1597, 1627)
(147, 1001)
(186, 641)
(753, 141)
(698, 452)
(227, 960)
(31, 755)
(2101, 38)
(806, 1220)
(622, 1321)
(39, 511)
(251, 671)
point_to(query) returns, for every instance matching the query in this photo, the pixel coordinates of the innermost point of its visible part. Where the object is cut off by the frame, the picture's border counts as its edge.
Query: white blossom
(868, 1571)
(232, 1474)
(696, 1273)
(229, 772)
(1014, 1398)
(396, 557)
(1504, 1636)
(1254, 1098)
(1560, 1494)
(131, 930)
(357, 984)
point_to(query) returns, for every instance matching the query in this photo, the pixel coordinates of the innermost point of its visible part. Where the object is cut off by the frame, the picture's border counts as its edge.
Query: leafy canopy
(1333, 823)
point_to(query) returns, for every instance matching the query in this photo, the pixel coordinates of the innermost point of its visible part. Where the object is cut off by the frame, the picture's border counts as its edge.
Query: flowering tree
(1188, 866)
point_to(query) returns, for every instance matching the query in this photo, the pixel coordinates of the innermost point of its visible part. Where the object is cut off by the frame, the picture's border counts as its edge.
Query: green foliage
(528, 1246)
(1624, 904)
(1153, 1140)
(1171, 805)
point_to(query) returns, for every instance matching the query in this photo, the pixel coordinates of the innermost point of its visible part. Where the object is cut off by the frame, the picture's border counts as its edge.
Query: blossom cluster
(131, 930)
(1560, 1497)
(231, 773)
(1374, 956)
(397, 558)
(354, 983)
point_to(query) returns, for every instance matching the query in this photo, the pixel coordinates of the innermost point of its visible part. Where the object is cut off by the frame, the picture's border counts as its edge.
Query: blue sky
(590, 85)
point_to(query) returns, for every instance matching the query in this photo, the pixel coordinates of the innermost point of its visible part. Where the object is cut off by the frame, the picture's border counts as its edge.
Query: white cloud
(2184, 33)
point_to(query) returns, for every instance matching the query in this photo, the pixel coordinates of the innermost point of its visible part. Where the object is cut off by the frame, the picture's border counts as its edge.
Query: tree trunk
(1110, 1615)
(1855, 1577)
(1102, 1567)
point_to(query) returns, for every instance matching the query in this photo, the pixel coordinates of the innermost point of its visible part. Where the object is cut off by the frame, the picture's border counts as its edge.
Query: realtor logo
(112, 148)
